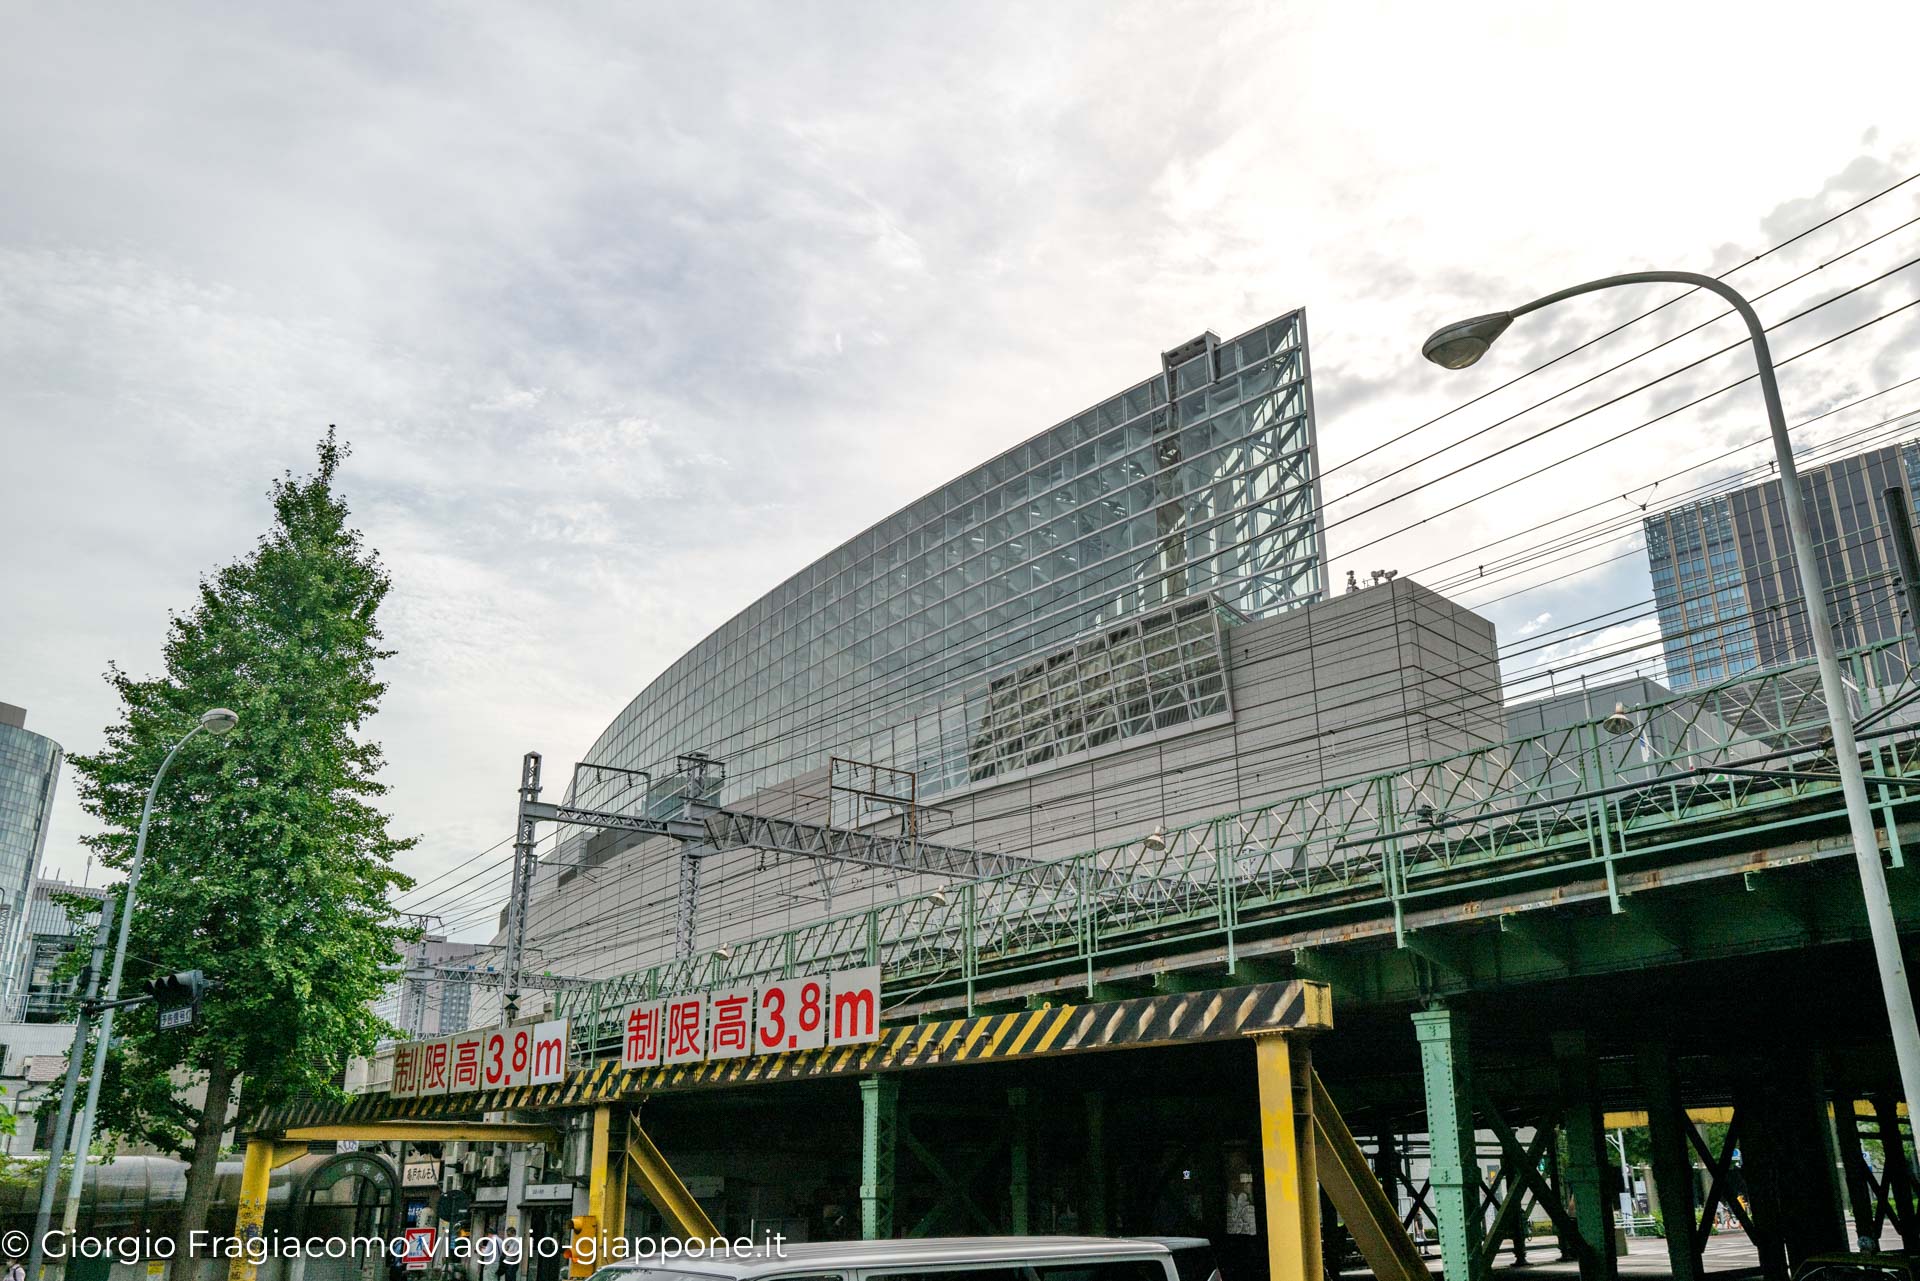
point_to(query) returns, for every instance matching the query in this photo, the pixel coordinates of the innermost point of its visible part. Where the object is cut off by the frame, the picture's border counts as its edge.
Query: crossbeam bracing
(1747, 753)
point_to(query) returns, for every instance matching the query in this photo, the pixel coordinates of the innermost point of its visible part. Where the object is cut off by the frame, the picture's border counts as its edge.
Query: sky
(628, 316)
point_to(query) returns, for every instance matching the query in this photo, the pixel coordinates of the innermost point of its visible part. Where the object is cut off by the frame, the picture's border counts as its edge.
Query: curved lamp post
(216, 721)
(1462, 343)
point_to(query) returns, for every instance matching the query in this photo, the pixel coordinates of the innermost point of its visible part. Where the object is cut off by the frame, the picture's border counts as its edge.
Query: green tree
(268, 862)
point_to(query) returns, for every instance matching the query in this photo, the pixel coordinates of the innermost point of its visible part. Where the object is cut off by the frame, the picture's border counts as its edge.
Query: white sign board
(548, 1053)
(776, 1017)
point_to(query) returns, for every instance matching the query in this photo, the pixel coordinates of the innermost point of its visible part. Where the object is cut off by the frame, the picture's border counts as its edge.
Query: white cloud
(628, 319)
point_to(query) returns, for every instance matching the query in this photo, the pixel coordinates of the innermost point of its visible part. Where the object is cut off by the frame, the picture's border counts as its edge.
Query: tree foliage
(268, 864)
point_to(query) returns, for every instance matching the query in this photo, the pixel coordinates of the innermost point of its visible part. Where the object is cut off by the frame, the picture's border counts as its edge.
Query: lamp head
(1458, 345)
(724, 952)
(1619, 722)
(1157, 838)
(218, 720)
(938, 898)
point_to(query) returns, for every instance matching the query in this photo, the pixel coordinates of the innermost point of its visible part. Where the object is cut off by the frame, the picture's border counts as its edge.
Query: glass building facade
(53, 933)
(29, 771)
(903, 646)
(1725, 583)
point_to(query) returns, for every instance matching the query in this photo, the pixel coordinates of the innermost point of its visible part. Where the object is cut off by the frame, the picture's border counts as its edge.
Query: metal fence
(1748, 754)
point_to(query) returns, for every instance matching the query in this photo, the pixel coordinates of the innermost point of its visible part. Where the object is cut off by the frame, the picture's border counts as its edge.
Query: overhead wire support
(522, 889)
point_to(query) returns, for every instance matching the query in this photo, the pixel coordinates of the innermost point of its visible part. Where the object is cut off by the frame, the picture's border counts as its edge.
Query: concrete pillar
(1672, 1165)
(1583, 1178)
(1453, 1167)
(879, 1147)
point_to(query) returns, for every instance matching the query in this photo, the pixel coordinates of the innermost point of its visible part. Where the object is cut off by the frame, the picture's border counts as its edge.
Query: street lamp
(216, 721)
(1462, 343)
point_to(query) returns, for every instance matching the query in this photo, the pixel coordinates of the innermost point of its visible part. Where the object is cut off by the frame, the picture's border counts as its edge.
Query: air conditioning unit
(494, 1167)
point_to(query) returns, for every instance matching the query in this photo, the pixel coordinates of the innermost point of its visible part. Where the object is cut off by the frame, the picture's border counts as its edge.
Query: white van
(928, 1259)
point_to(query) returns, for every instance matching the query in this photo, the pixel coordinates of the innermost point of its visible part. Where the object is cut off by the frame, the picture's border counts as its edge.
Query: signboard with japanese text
(463, 1069)
(686, 1029)
(642, 1033)
(776, 1017)
(791, 1015)
(406, 1072)
(547, 1053)
(730, 1023)
(433, 1067)
(506, 1056)
(854, 1007)
(420, 1172)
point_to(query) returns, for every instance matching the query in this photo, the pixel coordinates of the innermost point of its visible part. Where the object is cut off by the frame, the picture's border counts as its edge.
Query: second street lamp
(1462, 343)
(215, 721)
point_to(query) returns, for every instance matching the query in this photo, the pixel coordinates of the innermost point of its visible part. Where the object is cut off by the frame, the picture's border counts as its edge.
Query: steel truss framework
(1748, 756)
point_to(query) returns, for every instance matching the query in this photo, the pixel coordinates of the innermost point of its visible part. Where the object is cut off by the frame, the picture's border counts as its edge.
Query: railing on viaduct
(1743, 759)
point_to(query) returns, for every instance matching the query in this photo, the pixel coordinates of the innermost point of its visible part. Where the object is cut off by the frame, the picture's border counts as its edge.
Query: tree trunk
(203, 1169)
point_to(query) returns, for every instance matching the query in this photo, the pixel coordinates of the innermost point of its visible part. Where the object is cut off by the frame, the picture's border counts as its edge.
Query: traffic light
(582, 1261)
(177, 997)
(456, 1208)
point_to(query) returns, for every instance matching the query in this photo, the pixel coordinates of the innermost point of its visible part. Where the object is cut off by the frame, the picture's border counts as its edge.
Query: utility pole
(687, 918)
(520, 892)
(1459, 345)
(83, 1024)
(413, 990)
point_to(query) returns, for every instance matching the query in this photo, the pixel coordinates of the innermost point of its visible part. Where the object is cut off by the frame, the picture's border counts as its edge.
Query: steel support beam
(1672, 1171)
(1454, 1174)
(1020, 1162)
(1897, 1176)
(1584, 1176)
(1285, 1068)
(1853, 1164)
(731, 830)
(663, 1187)
(1096, 1171)
(607, 1166)
(264, 1156)
(879, 1152)
(1788, 1159)
(1364, 1206)
(425, 1132)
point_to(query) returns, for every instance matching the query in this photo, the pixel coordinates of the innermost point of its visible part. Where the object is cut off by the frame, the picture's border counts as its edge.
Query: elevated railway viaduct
(1515, 943)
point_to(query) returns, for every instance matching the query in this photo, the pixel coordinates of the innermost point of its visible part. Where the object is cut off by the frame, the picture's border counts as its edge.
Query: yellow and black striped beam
(1172, 1019)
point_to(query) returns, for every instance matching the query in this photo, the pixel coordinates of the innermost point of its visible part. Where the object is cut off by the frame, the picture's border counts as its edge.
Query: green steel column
(1672, 1167)
(1853, 1163)
(879, 1141)
(1096, 1176)
(1019, 1186)
(1584, 1175)
(1789, 1161)
(1453, 1169)
(1386, 1163)
(1897, 1171)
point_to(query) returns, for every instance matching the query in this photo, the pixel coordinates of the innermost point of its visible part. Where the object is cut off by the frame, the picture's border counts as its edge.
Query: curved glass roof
(1201, 479)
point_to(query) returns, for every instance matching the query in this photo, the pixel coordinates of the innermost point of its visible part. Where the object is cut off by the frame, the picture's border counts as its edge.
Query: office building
(1116, 626)
(59, 920)
(1727, 587)
(29, 773)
